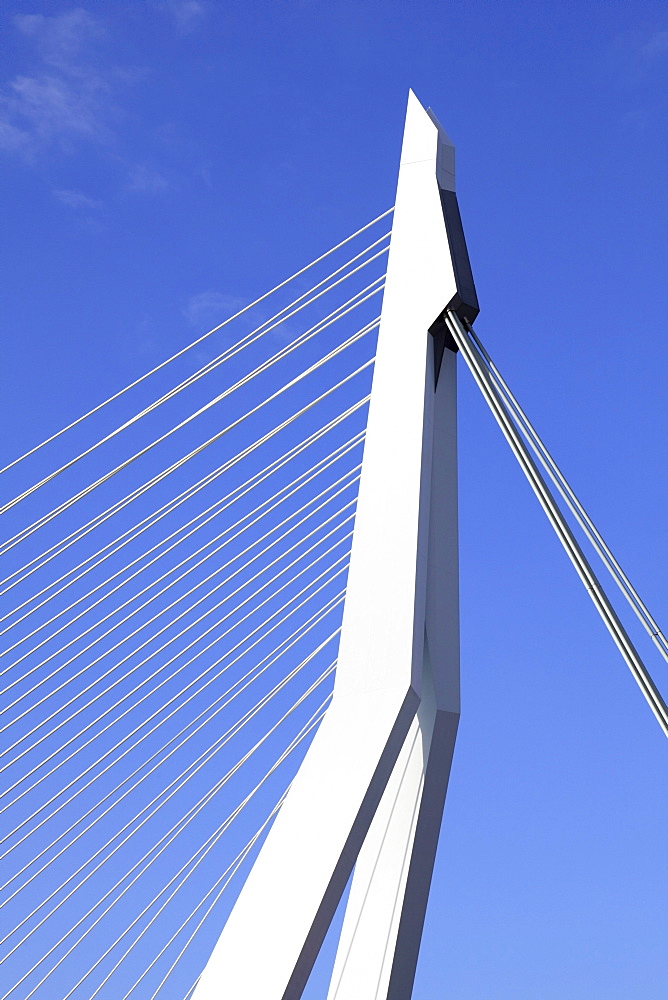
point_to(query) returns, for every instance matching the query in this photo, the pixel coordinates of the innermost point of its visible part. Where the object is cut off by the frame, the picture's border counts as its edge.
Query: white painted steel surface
(271, 939)
(380, 938)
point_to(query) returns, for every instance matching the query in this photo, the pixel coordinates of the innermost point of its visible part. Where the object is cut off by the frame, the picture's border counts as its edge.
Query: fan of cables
(172, 571)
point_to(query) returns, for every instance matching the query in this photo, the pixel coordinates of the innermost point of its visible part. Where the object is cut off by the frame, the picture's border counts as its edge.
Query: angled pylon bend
(373, 754)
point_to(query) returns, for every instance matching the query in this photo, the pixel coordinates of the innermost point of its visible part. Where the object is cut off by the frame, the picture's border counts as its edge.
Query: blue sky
(164, 162)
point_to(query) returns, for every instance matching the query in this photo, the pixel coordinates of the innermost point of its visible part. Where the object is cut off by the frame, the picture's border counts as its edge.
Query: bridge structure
(231, 633)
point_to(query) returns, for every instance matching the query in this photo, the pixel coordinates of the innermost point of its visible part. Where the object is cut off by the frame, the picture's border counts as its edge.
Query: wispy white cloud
(656, 45)
(145, 179)
(207, 309)
(66, 99)
(42, 109)
(633, 57)
(70, 94)
(187, 14)
(76, 199)
(61, 38)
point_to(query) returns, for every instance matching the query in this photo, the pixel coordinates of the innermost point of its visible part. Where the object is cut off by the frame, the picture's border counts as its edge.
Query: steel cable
(207, 369)
(209, 555)
(165, 841)
(584, 520)
(225, 878)
(194, 343)
(193, 642)
(108, 550)
(212, 710)
(217, 509)
(105, 515)
(180, 879)
(66, 504)
(599, 598)
(342, 559)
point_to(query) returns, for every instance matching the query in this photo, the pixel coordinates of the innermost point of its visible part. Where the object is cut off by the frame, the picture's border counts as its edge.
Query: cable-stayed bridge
(173, 615)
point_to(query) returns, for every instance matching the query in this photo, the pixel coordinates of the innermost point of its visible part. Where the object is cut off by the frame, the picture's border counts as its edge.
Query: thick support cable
(612, 565)
(194, 343)
(557, 520)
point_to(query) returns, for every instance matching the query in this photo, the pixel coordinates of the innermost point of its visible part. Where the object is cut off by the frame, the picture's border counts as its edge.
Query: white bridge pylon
(370, 792)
